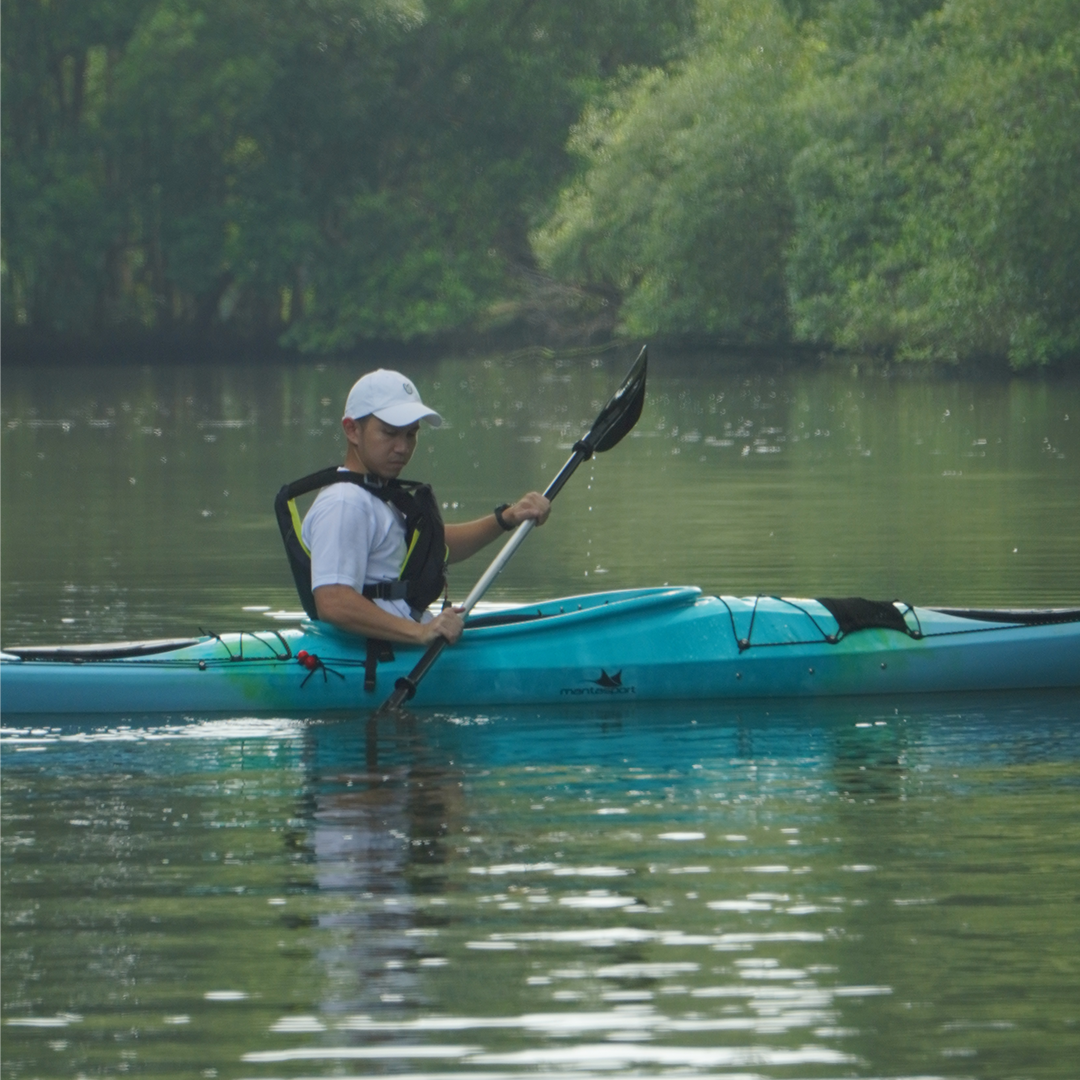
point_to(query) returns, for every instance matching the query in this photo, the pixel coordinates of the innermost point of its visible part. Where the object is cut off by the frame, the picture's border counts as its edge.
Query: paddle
(616, 418)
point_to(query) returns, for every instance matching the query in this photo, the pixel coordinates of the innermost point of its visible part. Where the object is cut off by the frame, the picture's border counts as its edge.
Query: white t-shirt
(355, 539)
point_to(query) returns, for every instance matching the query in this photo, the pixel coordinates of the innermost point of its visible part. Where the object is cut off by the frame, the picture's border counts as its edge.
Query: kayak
(653, 644)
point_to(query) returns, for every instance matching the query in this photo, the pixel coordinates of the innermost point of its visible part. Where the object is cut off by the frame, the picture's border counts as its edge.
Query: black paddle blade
(622, 412)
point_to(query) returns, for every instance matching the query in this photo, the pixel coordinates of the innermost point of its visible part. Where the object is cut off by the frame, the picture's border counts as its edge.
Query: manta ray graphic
(608, 682)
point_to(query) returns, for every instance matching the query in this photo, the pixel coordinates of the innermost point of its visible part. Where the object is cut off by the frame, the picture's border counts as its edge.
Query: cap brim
(408, 414)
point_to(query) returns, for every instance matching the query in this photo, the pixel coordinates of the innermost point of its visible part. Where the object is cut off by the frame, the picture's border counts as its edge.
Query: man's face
(382, 449)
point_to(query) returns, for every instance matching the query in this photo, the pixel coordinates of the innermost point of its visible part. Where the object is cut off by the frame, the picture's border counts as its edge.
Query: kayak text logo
(606, 684)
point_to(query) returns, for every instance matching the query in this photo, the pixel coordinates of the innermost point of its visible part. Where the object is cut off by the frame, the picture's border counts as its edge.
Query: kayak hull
(634, 645)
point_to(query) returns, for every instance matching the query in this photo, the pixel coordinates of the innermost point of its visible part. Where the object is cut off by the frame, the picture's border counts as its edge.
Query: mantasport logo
(606, 684)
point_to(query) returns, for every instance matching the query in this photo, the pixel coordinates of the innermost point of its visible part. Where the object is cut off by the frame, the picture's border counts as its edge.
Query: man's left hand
(531, 507)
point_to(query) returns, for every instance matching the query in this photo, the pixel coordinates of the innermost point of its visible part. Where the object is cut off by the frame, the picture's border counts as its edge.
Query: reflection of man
(377, 555)
(379, 832)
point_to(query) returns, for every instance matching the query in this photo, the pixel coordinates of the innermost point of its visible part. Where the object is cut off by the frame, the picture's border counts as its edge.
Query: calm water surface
(139, 502)
(864, 888)
(859, 888)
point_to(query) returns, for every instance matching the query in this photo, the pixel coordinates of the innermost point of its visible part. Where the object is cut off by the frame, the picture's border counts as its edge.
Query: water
(862, 888)
(138, 502)
(881, 888)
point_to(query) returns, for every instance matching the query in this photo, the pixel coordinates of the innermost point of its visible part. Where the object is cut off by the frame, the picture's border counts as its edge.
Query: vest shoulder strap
(387, 490)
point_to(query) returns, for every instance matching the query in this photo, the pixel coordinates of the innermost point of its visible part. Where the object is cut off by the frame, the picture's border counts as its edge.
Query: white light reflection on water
(620, 1055)
(60, 1021)
(778, 1010)
(231, 728)
(362, 1053)
(574, 1074)
(607, 936)
(599, 898)
(607, 1056)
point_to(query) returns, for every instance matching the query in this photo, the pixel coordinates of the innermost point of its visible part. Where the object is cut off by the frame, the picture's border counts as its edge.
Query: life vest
(422, 579)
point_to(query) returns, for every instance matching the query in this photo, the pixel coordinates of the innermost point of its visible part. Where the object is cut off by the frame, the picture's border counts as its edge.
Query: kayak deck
(644, 644)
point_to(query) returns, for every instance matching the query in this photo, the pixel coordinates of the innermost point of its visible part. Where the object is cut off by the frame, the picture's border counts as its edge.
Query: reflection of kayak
(635, 645)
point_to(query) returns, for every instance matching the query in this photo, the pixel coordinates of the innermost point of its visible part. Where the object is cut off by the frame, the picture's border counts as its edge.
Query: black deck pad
(1019, 616)
(499, 619)
(117, 650)
(854, 613)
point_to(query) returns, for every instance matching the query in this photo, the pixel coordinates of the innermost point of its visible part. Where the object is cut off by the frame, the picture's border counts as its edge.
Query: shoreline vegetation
(872, 181)
(160, 349)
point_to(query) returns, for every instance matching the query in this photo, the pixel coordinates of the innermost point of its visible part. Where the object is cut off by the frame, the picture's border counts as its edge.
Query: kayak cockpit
(569, 610)
(586, 608)
(589, 606)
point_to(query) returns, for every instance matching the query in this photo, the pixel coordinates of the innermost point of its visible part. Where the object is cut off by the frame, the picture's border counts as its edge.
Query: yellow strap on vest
(408, 554)
(297, 525)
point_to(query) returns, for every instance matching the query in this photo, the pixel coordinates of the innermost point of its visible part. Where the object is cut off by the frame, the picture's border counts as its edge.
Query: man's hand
(448, 624)
(531, 507)
(469, 537)
(348, 610)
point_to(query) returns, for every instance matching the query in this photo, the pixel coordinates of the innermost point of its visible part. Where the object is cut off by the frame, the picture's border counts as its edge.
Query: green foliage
(326, 169)
(683, 208)
(849, 29)
(880, 175)
(938, 203)
(479, 109)
(59, 209)
(895, 176)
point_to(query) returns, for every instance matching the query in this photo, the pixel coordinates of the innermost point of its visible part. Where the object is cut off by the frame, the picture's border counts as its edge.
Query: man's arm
(343, 606)
(469, 537)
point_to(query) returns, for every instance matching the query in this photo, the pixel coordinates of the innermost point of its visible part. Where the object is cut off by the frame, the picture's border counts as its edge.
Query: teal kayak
(659, 644)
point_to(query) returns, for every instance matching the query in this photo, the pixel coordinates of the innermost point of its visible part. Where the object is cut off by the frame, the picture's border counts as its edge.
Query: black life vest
(422, 579)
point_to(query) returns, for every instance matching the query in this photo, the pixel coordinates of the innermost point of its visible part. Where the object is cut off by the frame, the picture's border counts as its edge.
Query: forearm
(346, 609)
(468, 537)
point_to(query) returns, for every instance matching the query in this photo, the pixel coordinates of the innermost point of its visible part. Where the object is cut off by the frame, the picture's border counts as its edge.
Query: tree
(938, 201)
(330, 170)
(61, 207)
(683, 211)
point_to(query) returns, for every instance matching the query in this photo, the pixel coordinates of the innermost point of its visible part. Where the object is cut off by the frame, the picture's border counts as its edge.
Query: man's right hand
(346, 609)
(448, 624)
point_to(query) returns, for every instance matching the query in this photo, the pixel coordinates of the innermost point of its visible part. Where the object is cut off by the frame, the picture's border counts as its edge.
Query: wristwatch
(503, 523)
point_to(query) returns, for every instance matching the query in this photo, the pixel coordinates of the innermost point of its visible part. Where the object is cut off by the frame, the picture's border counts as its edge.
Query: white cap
(391, 397)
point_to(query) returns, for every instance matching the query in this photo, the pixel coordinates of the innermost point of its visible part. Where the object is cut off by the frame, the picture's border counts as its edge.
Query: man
(356, 531)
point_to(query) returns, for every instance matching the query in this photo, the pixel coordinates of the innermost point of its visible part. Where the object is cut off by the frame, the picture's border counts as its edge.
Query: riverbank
(22, 348)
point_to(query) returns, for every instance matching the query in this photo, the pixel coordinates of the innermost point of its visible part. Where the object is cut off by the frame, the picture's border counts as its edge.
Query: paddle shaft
(616, 418)
(581, 453)
(407, 685)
